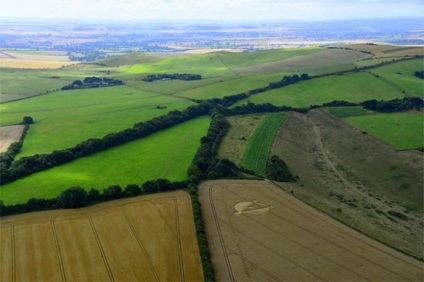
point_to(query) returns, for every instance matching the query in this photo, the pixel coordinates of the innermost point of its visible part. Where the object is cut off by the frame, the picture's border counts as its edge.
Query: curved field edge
(295, 241)
(401, 131)
(165, 154)
(155, 233)
(255, 156)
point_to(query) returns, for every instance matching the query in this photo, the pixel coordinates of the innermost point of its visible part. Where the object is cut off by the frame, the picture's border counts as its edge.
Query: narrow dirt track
(258, 232)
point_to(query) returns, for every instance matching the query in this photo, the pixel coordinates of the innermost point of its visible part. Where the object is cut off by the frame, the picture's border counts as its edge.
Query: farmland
(66, 118)
(357, 166)
(256, 154)
(33, 60)
(356, 87)
(152, 157)
(260, 233)
(355, 178)
(9, 135)
(81, 245)
(402, 131)
(235, 141)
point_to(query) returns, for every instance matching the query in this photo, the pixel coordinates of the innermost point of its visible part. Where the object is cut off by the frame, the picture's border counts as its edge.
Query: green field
(357, 87)
(232, 86)
(256, 154)
(401, 75)
(66, 118)
(316, 61)
(166, 154)
(400, 130)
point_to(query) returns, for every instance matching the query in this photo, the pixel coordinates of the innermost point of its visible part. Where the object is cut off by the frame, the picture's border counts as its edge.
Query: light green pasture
(165, 154)
(22, 83)
(231, 86)
(356, 87)
(400, 130)
(401, 75)
(66, 118)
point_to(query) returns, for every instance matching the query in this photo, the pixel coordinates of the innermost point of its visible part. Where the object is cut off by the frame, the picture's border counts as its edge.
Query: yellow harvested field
(31, 61)
(258, 232)
(9, 135)
(147, 238)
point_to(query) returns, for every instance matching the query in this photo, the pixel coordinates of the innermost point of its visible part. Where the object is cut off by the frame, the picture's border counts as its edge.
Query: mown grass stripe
(256, 154)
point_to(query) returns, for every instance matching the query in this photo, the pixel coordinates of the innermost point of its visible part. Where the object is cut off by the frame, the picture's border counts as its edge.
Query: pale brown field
(235, 141)
(355, 178)
(147, 238)
(33, 61)
(383, 51)
(258, 232)
(9, 135)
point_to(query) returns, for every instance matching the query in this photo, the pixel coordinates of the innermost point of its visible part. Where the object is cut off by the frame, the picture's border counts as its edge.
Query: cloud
(212, 9)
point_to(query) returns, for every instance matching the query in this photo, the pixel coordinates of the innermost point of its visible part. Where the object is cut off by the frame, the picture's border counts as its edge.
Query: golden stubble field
(147, 238)
(9, 135)
(258, 232)
(33, 61)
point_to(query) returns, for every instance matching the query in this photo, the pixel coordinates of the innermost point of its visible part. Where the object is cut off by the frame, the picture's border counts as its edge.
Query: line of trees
(28, 165)
(6, 158)
(205, 165)
(164, 76)
(208, 272)
(77, 197)
(92, 82)
(396, 105)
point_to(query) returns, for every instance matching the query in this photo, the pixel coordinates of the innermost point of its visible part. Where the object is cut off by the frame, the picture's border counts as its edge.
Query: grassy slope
(356, 87)
(318, 62)
(402, 131)
(401, 75)
(256, 154)
(66, 118)
(166, 154)
(342, 112)
(232, 86)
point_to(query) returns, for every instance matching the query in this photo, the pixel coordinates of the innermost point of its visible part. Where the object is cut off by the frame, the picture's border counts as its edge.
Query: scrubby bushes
(92, 82)
(164, 76)
(278, 170)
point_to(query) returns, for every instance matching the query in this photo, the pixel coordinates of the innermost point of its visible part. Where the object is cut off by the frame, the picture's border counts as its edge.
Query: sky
(211, 9)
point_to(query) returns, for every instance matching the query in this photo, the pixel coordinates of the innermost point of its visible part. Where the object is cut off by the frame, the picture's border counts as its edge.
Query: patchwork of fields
(257, 232)
(166, 154)
(355, 165)
(148, 238)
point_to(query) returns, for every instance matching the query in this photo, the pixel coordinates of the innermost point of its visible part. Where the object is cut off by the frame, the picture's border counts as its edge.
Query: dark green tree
(132, 190)
(112, 192)
(27, 120)
(74, 197)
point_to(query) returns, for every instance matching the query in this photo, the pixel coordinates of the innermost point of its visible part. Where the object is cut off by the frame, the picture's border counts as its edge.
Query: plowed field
(148, 238)
(258, 232)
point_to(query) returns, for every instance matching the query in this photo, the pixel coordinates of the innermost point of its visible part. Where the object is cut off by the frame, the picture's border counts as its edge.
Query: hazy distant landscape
(215, 149)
